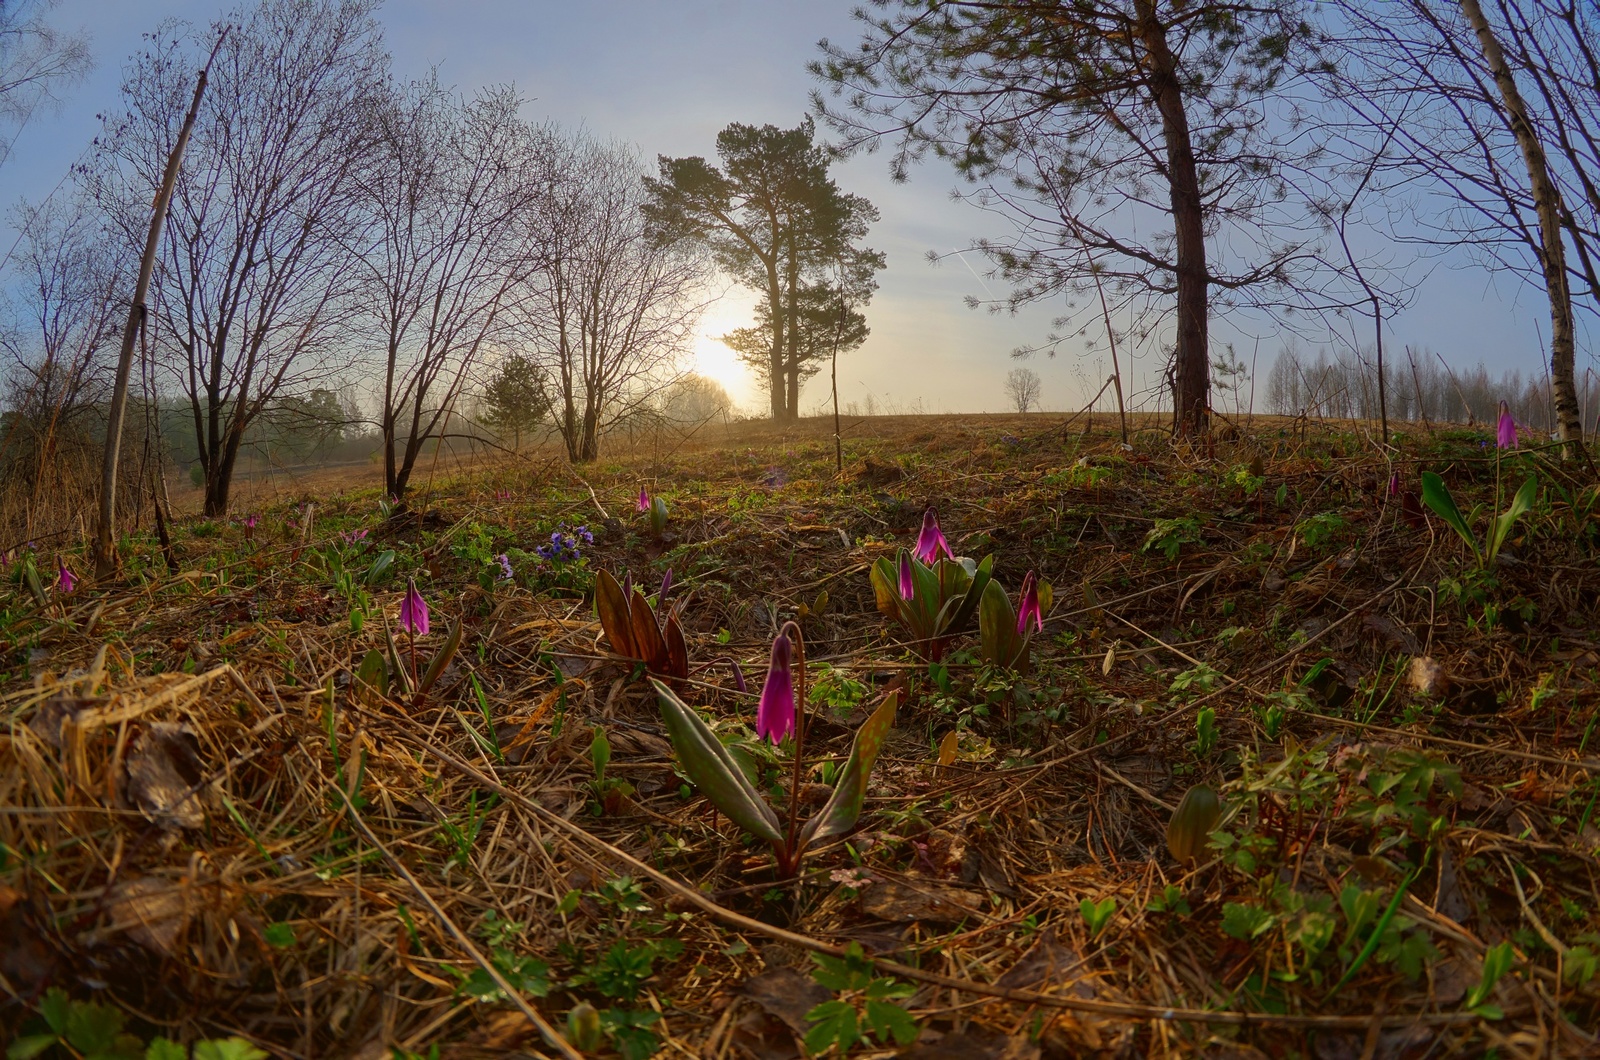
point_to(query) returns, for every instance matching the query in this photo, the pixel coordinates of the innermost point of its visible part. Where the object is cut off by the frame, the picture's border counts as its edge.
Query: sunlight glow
(714, 360)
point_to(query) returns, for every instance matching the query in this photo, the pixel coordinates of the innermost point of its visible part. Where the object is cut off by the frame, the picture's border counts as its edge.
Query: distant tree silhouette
(778, 224)
(1022, 387)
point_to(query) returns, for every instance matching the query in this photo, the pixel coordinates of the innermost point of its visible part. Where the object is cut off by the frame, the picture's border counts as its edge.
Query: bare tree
(65, 276)
(613, 309)
(254, 285)
(449, 190)
(35, 59)
(1022, 387)
(1145, 142)
(1515, 170)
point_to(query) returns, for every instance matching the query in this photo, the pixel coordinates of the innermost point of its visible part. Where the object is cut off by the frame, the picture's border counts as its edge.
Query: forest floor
(213, 831)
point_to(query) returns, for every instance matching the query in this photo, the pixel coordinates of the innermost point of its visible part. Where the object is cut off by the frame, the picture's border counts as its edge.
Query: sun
(716, 361)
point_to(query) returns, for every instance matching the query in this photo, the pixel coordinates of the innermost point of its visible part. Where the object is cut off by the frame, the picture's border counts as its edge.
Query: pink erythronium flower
(66, 581)
(1394, 484)
(1505, 434)
(1028, 606)
(414, 610)
(931, 541)
(908, 589)
(775, 713)
(644, 500)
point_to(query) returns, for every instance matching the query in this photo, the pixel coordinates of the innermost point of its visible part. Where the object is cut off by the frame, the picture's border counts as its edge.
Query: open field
(212, 828)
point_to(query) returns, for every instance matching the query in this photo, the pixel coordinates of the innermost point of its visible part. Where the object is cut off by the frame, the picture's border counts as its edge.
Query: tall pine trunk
(1191, 386)
(1552, 252)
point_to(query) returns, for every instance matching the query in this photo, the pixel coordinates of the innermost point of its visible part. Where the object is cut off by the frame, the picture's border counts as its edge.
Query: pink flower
(1506, 430)
(908, 590)
(931, 541)
(414, 610)
(775, 714)
(1028, 606)
(65, 581)
(1394, 484)
(644, 500)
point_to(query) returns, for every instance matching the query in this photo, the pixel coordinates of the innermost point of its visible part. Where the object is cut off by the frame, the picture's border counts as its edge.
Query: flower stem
(790, 861)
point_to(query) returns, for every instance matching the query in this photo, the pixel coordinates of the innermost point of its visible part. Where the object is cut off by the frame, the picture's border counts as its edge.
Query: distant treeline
(1418, 385)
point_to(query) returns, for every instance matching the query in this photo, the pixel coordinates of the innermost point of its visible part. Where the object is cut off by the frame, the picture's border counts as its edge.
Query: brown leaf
(153, 911)
(163, 768)
(787, 994)
(615, 619)
(974, 1043)
(647, 641)
(1046, 961)
(677, 654)
(921, 900)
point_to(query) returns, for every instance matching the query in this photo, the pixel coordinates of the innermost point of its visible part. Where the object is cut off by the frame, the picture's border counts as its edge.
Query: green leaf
(600, 752)
(712, 770)
(884, 588)
(380, 567)
(279, 936)
(1497, 960)
(844, 805)
(833, 1023)
(373, 675)
(979, 581)
(55, 1007)
(1436, 496)
(93, 1028)
(227, 1049)
(1097, 915)
(441, 660)
(1244, 922)
(30, 1046)
(889, 1020)
(998, 641)
(851, 972)
(1521, 504)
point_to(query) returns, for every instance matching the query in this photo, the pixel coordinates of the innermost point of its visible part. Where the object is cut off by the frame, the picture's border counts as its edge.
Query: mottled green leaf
(844, 806)
(711, 769)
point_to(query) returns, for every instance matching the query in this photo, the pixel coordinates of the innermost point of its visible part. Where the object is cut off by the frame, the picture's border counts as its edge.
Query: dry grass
(242, 844)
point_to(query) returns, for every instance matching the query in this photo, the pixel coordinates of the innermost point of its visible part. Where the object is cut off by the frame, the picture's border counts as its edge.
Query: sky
(667, 75)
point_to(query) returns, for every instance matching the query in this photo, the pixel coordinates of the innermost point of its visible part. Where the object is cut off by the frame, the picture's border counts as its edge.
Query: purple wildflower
(65, 580)
(1506, 429)
(931, 541)
(414, 610)
(1028, 611)
(775, 714)
(738, 676)
(908, 590)
(644, 500)
(505, 567)
(666, 584)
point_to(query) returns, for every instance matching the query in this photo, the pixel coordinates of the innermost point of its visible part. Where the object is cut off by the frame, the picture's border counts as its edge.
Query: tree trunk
(105, 560)
(775, 366)
(1191, 387)
(1552, 254)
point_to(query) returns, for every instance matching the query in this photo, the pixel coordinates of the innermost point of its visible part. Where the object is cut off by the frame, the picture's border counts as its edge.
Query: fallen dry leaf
(163, 768)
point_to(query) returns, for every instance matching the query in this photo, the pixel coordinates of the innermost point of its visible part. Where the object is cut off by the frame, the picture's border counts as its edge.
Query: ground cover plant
(1226, 751)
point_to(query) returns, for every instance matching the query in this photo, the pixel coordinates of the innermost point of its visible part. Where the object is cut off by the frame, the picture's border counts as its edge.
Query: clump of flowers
(352, 537)
(564, 544)
(506, 573)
